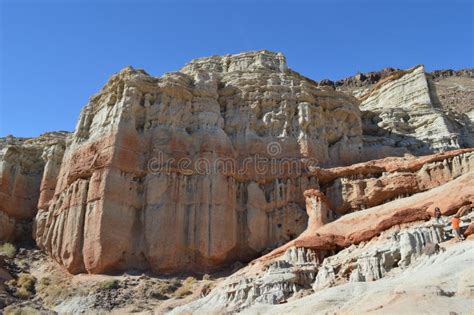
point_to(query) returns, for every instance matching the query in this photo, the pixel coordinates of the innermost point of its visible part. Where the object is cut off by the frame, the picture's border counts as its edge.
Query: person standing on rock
(438, 217)
(440, 222)
(455, 224)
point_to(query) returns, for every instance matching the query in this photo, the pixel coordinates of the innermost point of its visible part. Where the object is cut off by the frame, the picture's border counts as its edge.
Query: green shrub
(111, 284)
(8, 250)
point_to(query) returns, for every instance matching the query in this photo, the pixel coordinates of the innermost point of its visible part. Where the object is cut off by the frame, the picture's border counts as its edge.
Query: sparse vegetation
(189, 281)
(20, 310)
(55, 288)
(206, 277)
(111, 284)
(185, 288)
(8, 250)
(161, 290)
(182, 291)
(23, 287)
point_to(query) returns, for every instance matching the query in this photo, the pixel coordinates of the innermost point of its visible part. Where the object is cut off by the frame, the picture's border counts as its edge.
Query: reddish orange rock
(363, 225)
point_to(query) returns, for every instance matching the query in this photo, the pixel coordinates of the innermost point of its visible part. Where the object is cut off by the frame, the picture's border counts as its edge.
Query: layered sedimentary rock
(210, 164)
(350, 229)
(300, 269)
(24, 163)
(342, 190)
(453, 92)
(365, 185)
(410, 111)
(363, 246)
(164, 174)
(401, 110)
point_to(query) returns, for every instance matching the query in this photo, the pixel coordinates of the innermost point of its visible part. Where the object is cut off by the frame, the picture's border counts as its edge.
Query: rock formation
(22, 162)
(209, 165)
(363, 246)
(163, 173)
(238, 157)
(401, 106)
(410, 111)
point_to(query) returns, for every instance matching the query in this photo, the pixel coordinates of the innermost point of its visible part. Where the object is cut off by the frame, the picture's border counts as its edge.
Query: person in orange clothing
(455, 224)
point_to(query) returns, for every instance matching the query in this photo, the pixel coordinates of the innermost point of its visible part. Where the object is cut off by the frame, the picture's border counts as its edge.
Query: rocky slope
(440, 284)
(358, 247)
(236, 157)
(413, 111)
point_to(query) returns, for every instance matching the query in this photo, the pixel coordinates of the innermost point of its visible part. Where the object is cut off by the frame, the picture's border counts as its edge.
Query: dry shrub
(23, 286)
(111, 284)
(8, 250)
(189, 281)
(182, 291)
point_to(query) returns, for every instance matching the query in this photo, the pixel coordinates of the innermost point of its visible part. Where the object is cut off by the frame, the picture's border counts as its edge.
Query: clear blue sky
(56, 54)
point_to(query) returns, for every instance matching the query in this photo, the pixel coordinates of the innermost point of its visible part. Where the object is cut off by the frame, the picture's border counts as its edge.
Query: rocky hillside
(238, 157)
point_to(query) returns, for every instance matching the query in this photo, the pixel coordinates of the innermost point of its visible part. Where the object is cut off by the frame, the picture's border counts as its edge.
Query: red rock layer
(363, 225)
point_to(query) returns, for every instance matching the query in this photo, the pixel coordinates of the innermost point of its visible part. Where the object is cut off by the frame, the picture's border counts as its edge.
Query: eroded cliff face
(361, 246)
(125, 199)
(210, 164)
(411, 111)
(400, 109)
(22, 164)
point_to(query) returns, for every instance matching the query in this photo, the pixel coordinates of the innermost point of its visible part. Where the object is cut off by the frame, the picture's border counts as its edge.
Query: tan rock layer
(22, 162)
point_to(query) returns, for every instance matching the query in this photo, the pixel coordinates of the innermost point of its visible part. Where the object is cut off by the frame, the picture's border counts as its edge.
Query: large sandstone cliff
(210, 164)
(124, 198)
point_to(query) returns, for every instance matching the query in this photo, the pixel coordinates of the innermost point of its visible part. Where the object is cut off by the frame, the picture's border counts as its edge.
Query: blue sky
(56, 54)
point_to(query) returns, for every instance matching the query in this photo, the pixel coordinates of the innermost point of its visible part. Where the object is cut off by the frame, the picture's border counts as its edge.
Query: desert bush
(51, 289)
(27, 281)
(189, 281)
(23, 286)
(160, 290)
(111, 284)
(8, 250)
(23, 293)
(182, 292)
(20, 310)
(55, 288)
